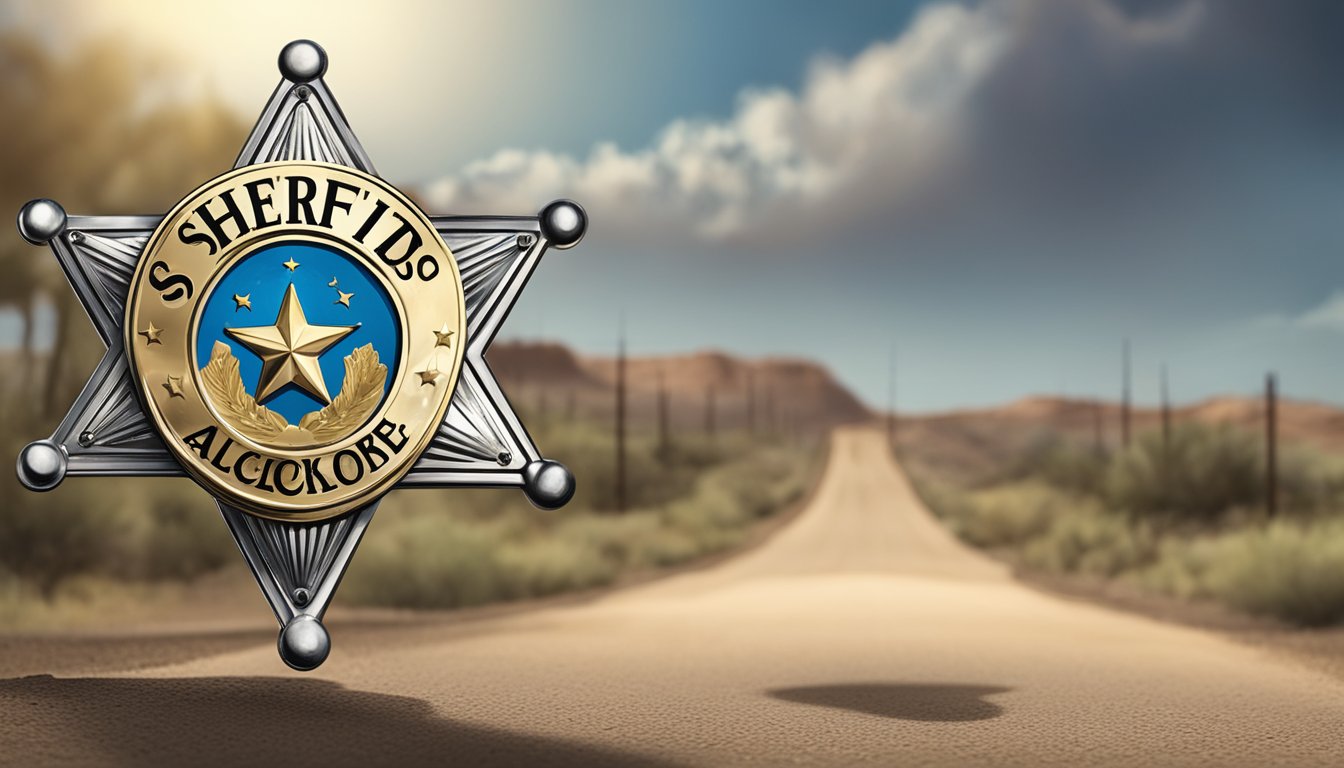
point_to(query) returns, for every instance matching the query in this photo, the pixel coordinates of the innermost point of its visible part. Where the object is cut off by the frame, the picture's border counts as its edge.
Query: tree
(98, 131)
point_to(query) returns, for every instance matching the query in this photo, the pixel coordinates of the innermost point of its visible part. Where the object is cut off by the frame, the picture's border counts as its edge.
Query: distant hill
(976, 440)
(797, 393)
(789, 393)
(1309, 421)
(524, 363)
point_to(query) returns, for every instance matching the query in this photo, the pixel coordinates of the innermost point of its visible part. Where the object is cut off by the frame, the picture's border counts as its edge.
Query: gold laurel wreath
(360, 394)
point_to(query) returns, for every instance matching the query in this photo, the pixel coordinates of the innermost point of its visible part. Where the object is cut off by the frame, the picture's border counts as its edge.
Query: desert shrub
(1289, 570)
(621, 539)
(48, 538)
(1090, 541)
(1178, 566)
(1044, 527)
(1197, 478)
(540, 566)
(178, 534)
(1311, 483)
(1061, 463)
(1077, 469)
(651, 479)
(146, 529)
(428, 561)
(947, 501)
(442, 551)
(774, 478)
(696, 452)
(672, 545)
(437, 549)
(1012, 514)
(1184, 518)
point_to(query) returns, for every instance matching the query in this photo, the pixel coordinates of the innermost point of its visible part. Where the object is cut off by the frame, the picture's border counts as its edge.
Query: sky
(1002, 191)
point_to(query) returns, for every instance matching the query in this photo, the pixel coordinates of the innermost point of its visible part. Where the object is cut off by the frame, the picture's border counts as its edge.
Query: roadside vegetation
(1184, 517)
(95, 540)
(474, 547)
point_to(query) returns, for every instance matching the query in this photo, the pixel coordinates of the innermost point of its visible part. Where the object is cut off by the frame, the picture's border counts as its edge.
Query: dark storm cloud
(987, 117)
(1083, 115)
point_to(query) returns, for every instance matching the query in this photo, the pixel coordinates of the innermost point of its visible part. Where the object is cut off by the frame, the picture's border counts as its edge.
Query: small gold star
(291, 264)
(242, 301)
(151, 335)
(332, 284)
(174, 386)
(443, 337)
(428, 377)
(344, 297)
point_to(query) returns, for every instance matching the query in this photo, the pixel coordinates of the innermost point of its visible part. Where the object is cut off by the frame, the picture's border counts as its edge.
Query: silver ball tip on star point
(304, 643)
(548, 484)
(41, 221)
(563, 223)
(42, 465)
(303, 61)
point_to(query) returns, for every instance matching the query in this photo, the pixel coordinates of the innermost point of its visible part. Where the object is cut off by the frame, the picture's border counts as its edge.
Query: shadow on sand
(255, 721)
(927, 702)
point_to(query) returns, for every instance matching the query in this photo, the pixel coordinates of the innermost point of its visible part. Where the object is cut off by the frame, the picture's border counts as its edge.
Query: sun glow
(444, 60)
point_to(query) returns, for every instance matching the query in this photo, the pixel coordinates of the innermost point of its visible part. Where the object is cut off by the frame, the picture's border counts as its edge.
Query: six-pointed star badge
(299, 338)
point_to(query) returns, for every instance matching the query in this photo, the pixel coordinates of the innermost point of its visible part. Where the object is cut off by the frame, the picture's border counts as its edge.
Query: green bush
(446, 552)
(1061, 463)
(1048, 528)
(1012, 514)
(1288, 570)
(1090, 541)
(1184, 517)
(945, 500)
(48, 538)
(425, 548)
(1201, 474)
(1311, 483)
(1178, 567)
(451, 564)
(176, 534)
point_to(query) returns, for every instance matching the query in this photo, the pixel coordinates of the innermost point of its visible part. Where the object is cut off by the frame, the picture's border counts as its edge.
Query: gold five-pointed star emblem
(289, 349)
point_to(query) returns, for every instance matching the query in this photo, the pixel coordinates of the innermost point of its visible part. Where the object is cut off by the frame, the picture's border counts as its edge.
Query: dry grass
(1182, 518)
(1291, 570)
(102, 541)
(471, 548)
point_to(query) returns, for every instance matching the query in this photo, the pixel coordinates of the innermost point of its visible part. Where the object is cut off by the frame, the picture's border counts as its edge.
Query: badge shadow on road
(234, 720)
(923, 702)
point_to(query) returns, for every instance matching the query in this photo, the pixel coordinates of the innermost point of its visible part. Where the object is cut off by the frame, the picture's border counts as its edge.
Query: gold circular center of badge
(296, 331)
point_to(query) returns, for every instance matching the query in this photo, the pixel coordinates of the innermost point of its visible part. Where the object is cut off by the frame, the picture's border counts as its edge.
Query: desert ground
(859, 634)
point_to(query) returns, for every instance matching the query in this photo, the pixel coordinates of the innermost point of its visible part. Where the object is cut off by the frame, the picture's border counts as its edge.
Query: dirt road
(861, 634)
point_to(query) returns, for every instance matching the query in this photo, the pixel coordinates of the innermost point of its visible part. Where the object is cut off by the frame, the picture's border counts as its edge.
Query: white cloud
(865, 136)
(1326, 316)
(1329, 315)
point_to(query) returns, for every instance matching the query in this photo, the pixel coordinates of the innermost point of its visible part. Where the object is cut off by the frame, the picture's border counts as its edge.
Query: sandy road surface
(861, 634)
